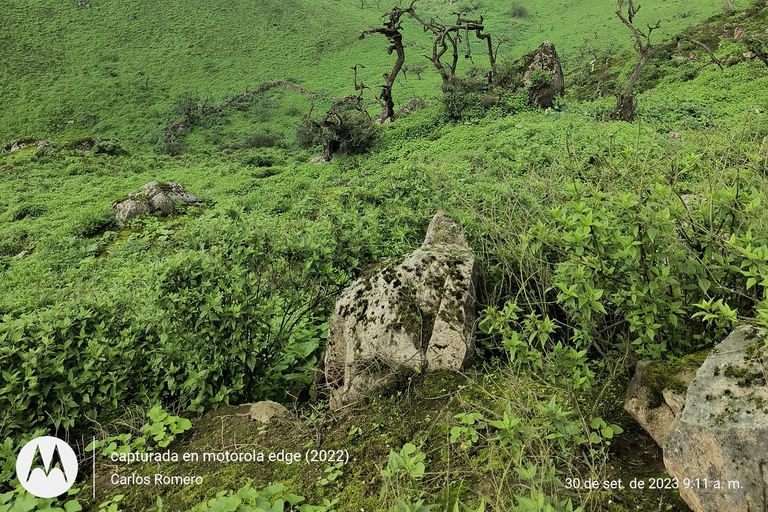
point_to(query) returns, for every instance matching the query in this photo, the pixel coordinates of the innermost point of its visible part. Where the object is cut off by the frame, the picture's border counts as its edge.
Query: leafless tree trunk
(446, 35)
(392, 31)
(626, 103)
(759, 47)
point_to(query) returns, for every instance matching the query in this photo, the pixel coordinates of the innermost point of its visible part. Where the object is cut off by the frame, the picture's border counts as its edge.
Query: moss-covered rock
(417, 312)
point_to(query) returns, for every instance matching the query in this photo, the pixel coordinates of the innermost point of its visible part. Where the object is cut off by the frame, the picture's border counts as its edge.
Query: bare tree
(759, 47)
(449, 37)
(392, 31)
(626, 103)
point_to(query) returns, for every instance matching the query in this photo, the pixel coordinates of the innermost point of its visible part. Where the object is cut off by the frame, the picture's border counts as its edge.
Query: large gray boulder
(719, 441)
(413, 313)
(543, 75)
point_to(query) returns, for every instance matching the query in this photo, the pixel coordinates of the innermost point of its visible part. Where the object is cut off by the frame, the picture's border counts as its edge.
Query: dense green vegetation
(600, 242)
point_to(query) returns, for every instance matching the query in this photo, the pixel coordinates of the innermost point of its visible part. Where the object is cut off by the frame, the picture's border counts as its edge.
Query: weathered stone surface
(18, 144)
(416, 312)
(656, 395)
(543, 75)
(318, 160)
(265, 411)
(43, 146)
(721, 432)
(178, 193)
(154, 197)
(129, 208)
(158, 198)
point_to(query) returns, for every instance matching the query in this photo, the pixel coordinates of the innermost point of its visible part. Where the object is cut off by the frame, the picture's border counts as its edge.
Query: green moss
(744, 376)
(661, 375)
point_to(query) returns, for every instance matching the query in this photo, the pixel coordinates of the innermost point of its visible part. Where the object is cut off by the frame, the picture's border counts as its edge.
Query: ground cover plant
(601, 242)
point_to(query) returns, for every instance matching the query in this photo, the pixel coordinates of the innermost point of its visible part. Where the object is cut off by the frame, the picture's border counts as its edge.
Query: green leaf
(72, 506)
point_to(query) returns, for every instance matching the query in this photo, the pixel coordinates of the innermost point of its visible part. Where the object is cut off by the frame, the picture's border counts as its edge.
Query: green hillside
(600, 243)
(116, 69)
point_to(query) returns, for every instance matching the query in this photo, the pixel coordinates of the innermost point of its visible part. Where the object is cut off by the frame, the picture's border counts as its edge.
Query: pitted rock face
(721, 432)
(416, 312)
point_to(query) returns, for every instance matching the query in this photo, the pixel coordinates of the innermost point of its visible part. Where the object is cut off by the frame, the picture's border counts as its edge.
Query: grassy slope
(117, 77)
(379, 203)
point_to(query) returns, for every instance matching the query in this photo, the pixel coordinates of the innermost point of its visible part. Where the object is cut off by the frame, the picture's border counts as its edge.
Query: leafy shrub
(464, 98)
(348, 128)
(111, 147)
(517, 11)
(90, 222)
(677, 115)
(24, 210)
(259, 140)
(159, 432)
(641, 264)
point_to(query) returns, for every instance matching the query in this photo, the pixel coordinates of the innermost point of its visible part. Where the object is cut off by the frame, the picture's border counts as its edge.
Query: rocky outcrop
(18, 144)
(656, 395)
(542, 75)
(415, 312)
(154, 197)
(720, 435)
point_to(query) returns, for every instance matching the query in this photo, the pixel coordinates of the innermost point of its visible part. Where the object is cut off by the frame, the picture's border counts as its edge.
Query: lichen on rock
(415, 312)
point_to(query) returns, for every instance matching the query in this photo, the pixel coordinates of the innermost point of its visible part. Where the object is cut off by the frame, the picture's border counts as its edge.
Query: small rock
(154, 197)
(655, 405)
(673, 135)
(318, 160)
(264, 411)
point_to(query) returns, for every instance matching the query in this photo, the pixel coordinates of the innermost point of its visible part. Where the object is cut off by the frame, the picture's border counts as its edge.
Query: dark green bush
(517, 11)
(259, 140)
(642, 269)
